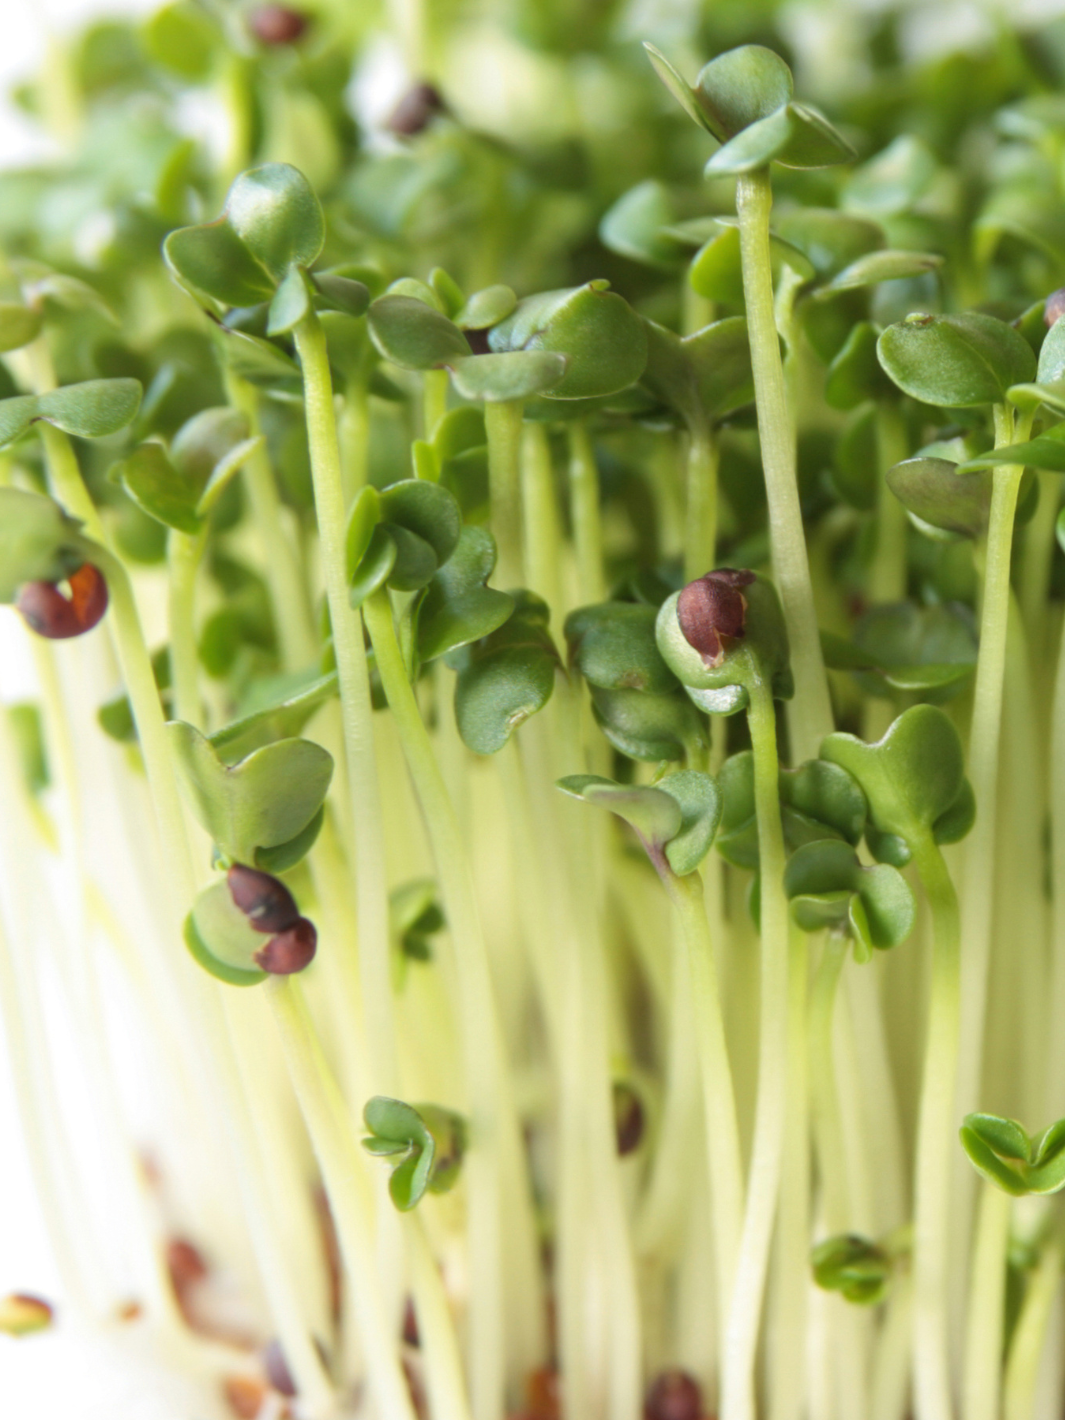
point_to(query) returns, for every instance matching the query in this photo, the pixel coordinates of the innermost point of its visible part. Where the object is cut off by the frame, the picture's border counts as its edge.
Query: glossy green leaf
(955, 360)
(506, 677)
(291, 302)
(911, 776)
(649, 728)
(656, 816)
(1047, 451)
(796, 136)
(486, 308)
(282, 856)
(362, 520)
(928, 652)
(339, 293)
(704, 376)
(38, 541)
(414, 335)
(699, 800)
(375, 566)
(278, 712)
(879, 266)
(741, 86)
(154, 484)
(458, 607)
(91, 410)
(263, 800)
(221, 938)
(679, 87)
(211, 258)
(820, 880)
(512, 375)
(273, 210)
(425, 509)
(398, 1131)
(941, 498)
(602, 337)
(613, 645)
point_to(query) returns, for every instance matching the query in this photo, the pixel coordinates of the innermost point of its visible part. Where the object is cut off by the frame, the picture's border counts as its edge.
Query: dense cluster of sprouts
(406, 493)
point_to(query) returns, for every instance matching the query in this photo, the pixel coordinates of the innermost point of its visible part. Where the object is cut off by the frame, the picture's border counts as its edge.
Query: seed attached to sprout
(416, 110)
(289, 951)
(628, 1118)
(265, 901)
(48, 612)
(277, 24)
(675, 1395)
(712, 612)
(277, 1371)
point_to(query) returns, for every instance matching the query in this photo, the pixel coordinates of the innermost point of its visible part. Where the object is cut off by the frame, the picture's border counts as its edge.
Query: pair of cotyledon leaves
(1004, 1153)
(637, 701)
(263, 809)
(261, 250)
(744, 99)
(411, 538)
(965, 361)
(903, 652)
(906, 791)
(426, 1143)
(179, 486)
(571, 344)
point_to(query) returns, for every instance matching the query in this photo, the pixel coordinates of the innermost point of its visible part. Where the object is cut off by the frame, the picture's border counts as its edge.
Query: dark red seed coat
(290, 951)
(48, 612)
(265, 901)
(712, 612)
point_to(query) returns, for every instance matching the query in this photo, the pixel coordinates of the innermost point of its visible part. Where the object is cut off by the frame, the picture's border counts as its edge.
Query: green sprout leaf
(272, 223)
(613, 645)
(941, 499)
(91, 410)
(427, 1144)
(822, 880)
(742, 86)
(515, 374)
(458, 607)
(602, 337)
(1001, 1150)
(260, 802)
(675, 821)
(818, 801)
(506, 677)
(853, 1266)
(912, 778)
(221, 938)
(19, 325)
(905, 651)
(796, 136)
(414, 335)
(705, 376)
(956, 360)
(414, 916)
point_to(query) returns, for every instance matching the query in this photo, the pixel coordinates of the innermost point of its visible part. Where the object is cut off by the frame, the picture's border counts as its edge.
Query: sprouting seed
(57, 617)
